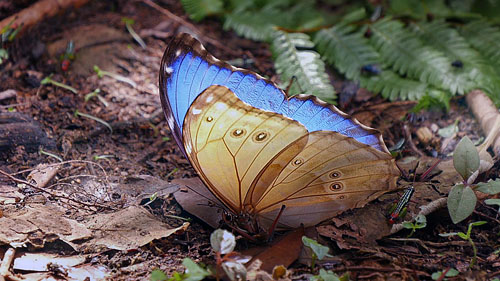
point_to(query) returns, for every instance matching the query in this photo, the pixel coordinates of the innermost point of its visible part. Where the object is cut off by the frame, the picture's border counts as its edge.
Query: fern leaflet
(199, 9)
(407, 55)
(305, 65)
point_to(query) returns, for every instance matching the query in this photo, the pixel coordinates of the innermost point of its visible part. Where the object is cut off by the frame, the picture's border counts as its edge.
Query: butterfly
(257, 149)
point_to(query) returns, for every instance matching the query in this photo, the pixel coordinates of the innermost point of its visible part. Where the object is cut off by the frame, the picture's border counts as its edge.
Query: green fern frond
(393, 87)
(305, 65)
(476, 70)
(250, 25)
(485, 38)
(406, 54)
(199, 9)
(345, 49)
(258, 24)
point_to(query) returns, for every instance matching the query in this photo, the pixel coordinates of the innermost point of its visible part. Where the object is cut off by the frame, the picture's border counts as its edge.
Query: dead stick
(424, 210)
(192, 27)
(51, 193)
(486, 114)
(8, 257)
(39, 11)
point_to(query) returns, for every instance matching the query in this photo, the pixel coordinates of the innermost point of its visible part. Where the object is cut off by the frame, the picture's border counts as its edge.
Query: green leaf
(222, 241)
(449, 131)
(478, 223)
(466, 158)
(451, 273)
(305, 65)
(319, 250)
(158, 275)
(194, 272)
(491, 187)
(346, 50)
(463, 235)
(420, 221)
(492, 202)
(325, 276)
(408, 225)
(461, 202)
(199, 9)
(407, 55)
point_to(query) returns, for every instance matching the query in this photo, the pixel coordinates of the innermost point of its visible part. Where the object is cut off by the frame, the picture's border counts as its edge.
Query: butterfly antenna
(290, 84)
(208, 199)
(273, 226)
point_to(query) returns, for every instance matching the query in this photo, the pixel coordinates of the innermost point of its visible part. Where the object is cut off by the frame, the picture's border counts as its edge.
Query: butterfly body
(256, 149)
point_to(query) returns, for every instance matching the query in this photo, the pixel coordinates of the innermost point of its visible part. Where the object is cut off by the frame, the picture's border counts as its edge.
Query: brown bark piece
(17, 129)
(39, 11)
(486, 114)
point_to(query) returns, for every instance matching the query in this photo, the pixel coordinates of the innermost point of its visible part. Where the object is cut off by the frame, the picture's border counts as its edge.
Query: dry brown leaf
(127, 229)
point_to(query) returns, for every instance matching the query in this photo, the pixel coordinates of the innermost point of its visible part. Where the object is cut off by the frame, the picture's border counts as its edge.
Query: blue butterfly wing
(187, 69)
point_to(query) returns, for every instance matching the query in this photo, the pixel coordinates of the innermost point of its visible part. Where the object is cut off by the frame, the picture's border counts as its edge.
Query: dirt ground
(104, 172)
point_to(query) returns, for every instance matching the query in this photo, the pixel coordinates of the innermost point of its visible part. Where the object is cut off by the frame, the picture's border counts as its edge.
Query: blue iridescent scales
(188, 70)
(332, 164)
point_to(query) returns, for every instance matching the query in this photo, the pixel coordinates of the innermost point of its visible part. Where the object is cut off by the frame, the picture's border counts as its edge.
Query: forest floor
(77, 200)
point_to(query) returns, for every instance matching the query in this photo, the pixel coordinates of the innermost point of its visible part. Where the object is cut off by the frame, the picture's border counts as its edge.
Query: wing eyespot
(335, 175)
(210, 119)
(336, 186)
(237, 133)
(298, 162)
(260, 136)
(341, 197)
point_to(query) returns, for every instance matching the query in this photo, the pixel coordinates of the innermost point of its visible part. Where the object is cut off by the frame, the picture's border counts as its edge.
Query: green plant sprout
(8, 33)
(468, 238)
(97, 119)
(462, 199)
(318, 251)
(193, 272)
(100, 73)
(48, 80)
(95, 93)
(493, 202)
(420, 222)
(449, 272)
(100, 157)
(223, 243)
(325, 276)
(43, 152)
(128, 24)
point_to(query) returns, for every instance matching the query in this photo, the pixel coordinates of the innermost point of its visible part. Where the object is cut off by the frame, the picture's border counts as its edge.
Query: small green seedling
(468, 238)
(100, 73)
(318, 251)
(462, 199)
(128, 24)
(50, 154)
(420, 222)
(450, 272)
(493, 202)
(100, 157)
(48, 80)
(325, 276)
(97, 119)
(95, 93)
(7, 34)
(193, 272)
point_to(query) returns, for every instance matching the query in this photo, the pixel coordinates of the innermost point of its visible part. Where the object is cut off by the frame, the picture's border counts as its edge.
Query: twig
(51, 193)
(8, 257)
(486, 114)
(193, 28)
(424, 210)
(380, 269)
(413, 147)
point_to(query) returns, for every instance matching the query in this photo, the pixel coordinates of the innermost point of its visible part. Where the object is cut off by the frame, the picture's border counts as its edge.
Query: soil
(140, 142)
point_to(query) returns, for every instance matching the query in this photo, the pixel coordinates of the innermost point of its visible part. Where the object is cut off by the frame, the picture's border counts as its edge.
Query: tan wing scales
(231, 143)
